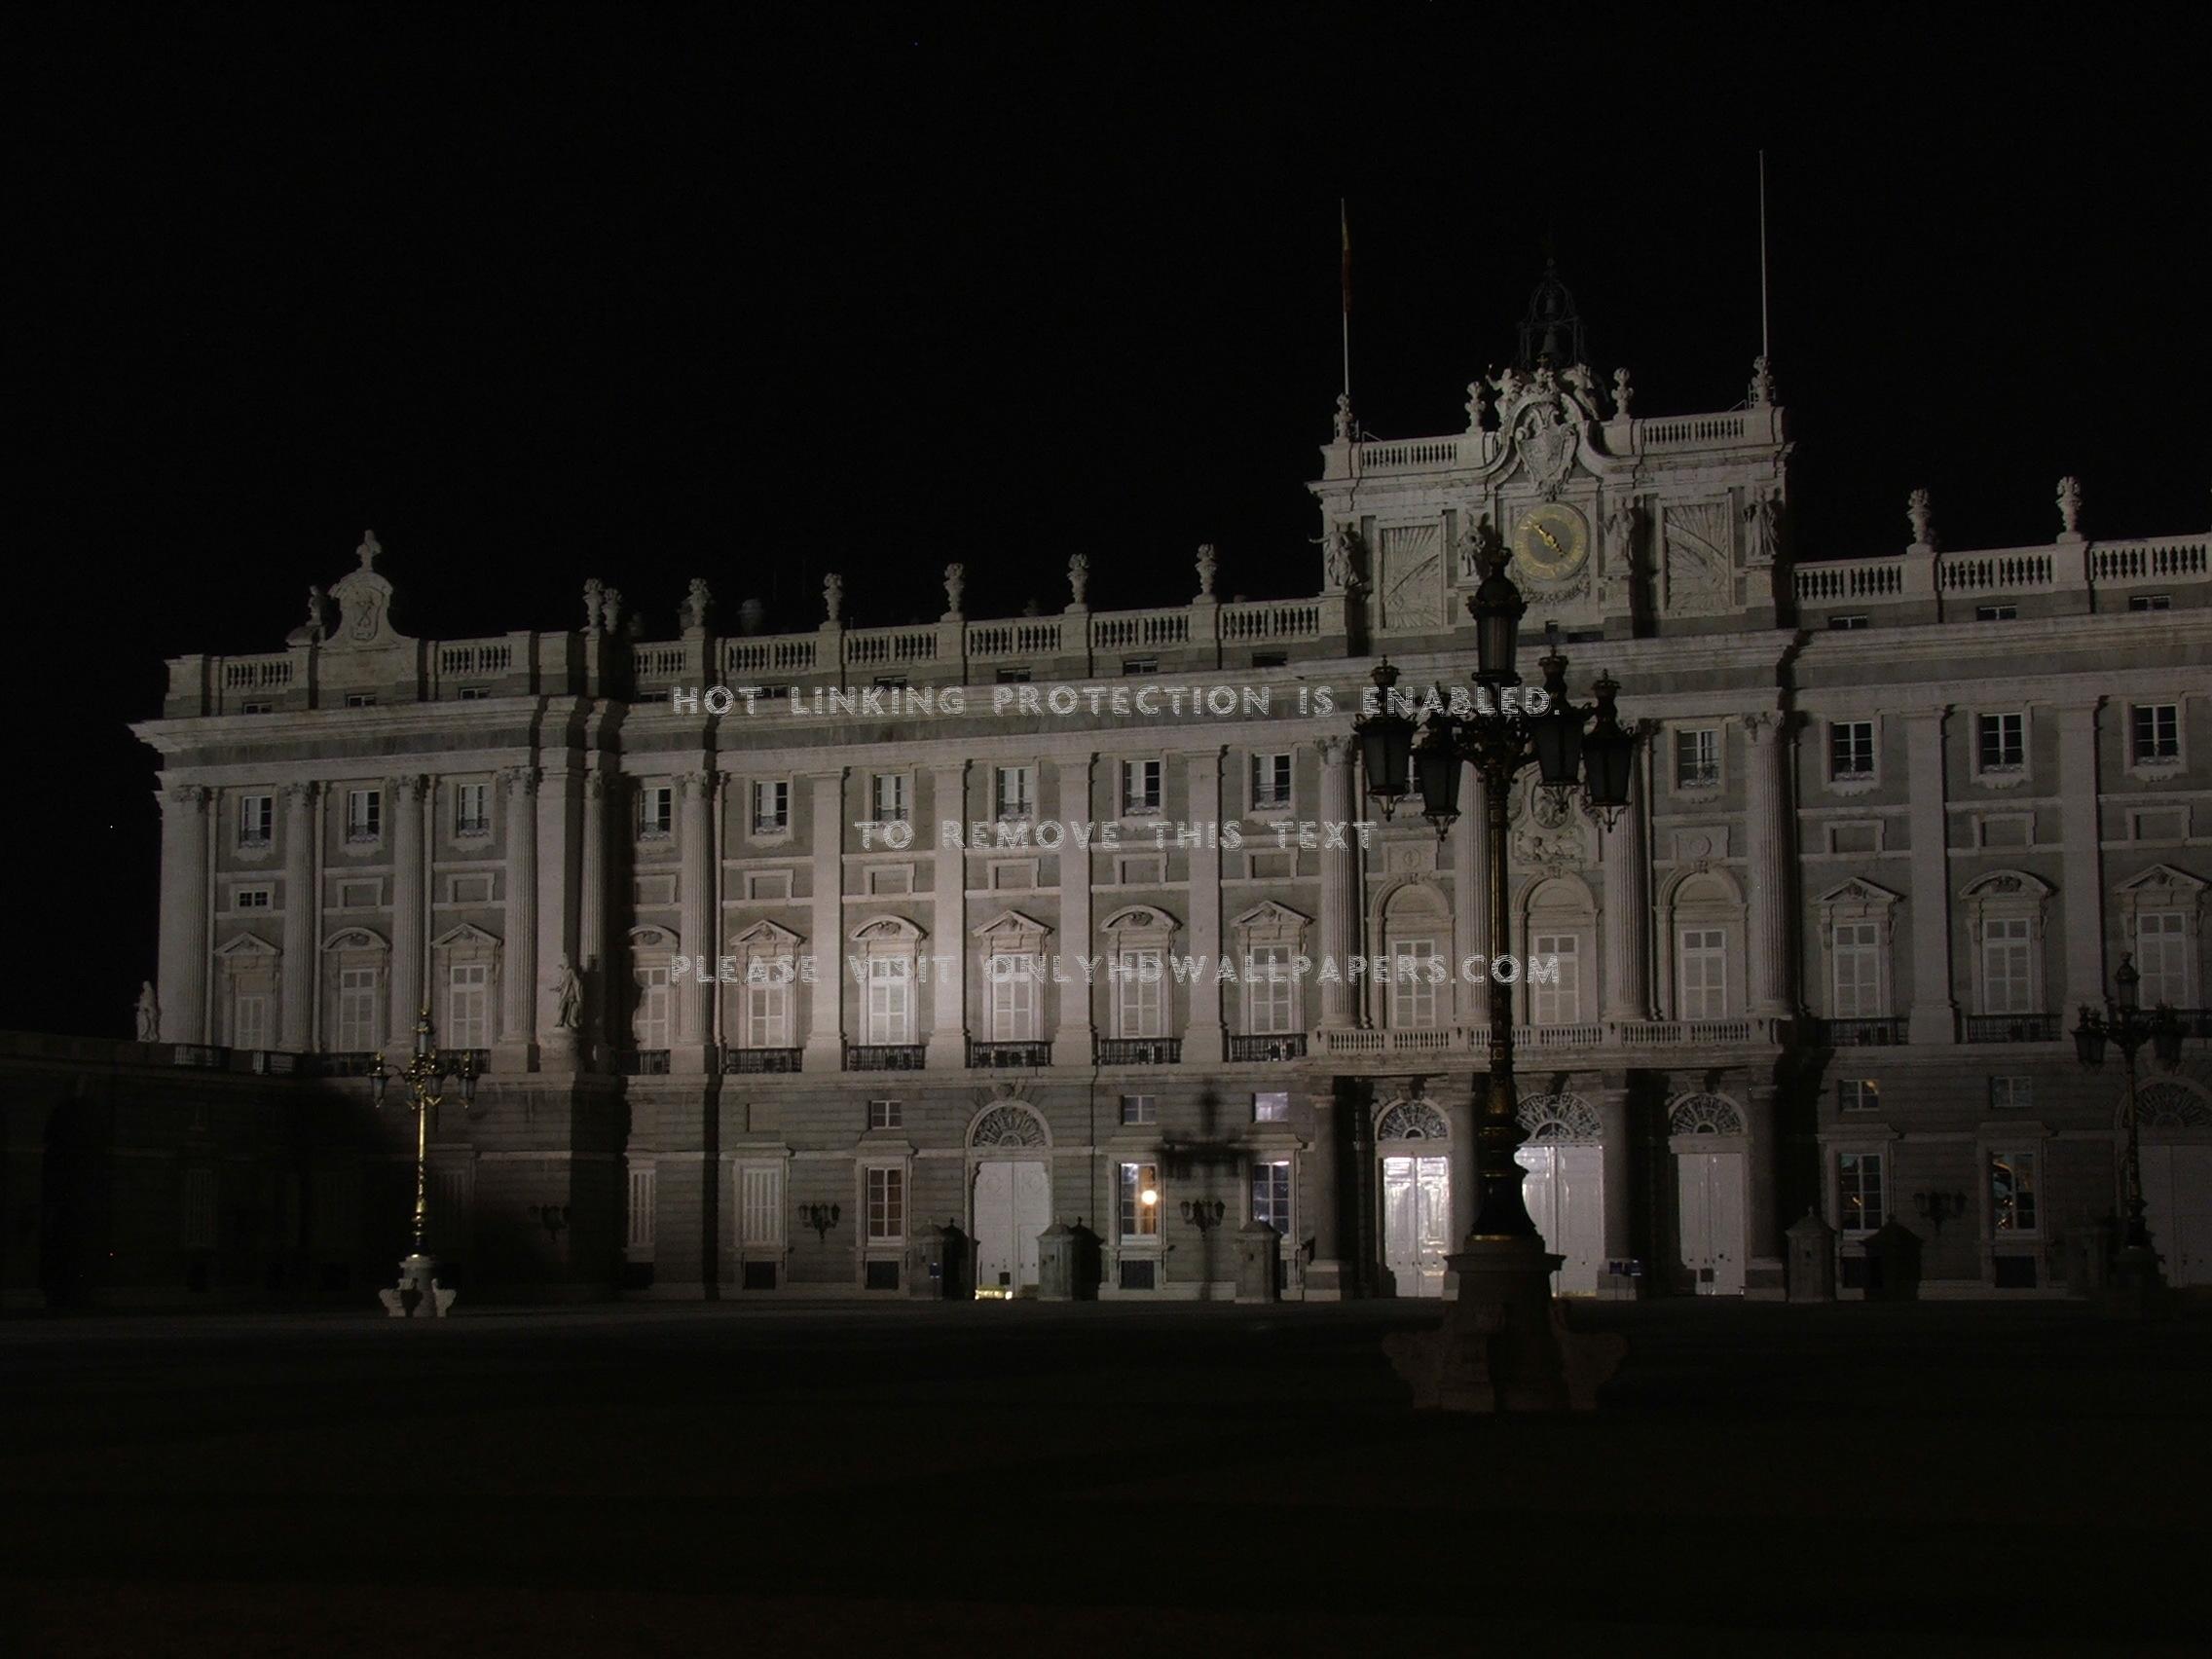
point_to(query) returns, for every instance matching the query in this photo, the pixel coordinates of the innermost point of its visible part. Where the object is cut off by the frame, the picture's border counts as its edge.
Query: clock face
(1551, 541)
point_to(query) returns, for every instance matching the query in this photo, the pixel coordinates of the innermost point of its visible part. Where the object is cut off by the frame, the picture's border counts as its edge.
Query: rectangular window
(249, 1020)
(656, 811)
(2162, 957)
(1013, 998)
(639, 1229)
(198, 1210)
(1140, 1201)
(1851, 749)
(357, 1009)
(360, 699)
(768, 1005)
(468, 1004)
(1271, 1195)
(2149, 602)
(2002, 743)
(2155, 732)
(257, 708)
(1855, 962)
(891, 682)
(471, 812)
(1013, 792)
(2011, 1093)
(1702, 986)
(650, 1025)
(2012, 1192)
(1559, 1001)
(886, 1206)
(1859, 1191)
(1140, 665)
(1270, 1009)
(885, 1115)
(1140, 994)
(887, 792)
(1414, 965)
(1140, 788)
(1858, 1095)
(760, 1205)
(1697, 758)
(1272, 1107)
(768, 884)
(890, 879)
(1140, 1109)
(1014, 677)
(1995, 613)
(364, 814)
(257, 818)
(1847, 624)
(890, 1000)
(2006, 986)
(771, 806)
(1270, 782)
(474, 693)
(250, 899)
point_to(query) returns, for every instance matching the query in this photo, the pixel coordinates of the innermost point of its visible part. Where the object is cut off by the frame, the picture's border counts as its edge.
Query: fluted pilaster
(184, 944)
(1339, 914)
(1072, 1043)
(408, 999)
(518, 966)
(1628, 907)
(1470, 915)
(1766, 830)
(1934, 1015)
(947, 952)
(591, 911)
(825, 997)
(1203, 1042)
(301, 905)
(2082, 861)
(697, 907)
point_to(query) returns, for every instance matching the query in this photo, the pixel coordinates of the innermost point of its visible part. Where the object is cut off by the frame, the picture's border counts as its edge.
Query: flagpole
(1762, 255)
(1343, 224)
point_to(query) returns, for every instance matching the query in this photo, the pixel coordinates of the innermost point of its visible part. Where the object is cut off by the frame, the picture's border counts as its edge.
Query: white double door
(1565, 1190)
(1416, 1221)
(1014, 1205)
(2177, 1207)
(1710, 1185)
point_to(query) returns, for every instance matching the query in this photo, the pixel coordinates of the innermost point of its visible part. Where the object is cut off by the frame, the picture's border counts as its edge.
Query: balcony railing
(1880, 1033)
(642, 1062)
(1139, 1051)
(344, 1062)
(993, 1056)
(883, 1056)
(1288, 1046)
(2012, 1027)
(759, 1061)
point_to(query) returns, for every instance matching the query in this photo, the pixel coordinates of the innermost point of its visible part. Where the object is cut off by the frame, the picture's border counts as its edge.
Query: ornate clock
(1551, 542)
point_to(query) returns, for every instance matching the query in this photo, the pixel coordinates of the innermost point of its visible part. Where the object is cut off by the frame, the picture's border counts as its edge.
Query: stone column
(1470, 923)
(592, 961)
(1324, 1166)
(1766, 828)
(1934, 1015)
(559, 801)
(1619, 1175)
(1459, 1116)
(2082, 862)
(1205, 1039)
(1762, 1232)
(518, 957)
(824, 1024)
(1340, 903)
(696, 914)
(1628, 911)
(302, 904)
(1072, 1043)
(409, 995)
(183, 961)
(947, 948)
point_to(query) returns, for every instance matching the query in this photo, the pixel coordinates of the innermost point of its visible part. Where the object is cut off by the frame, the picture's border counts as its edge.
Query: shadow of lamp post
(2138, 1286)
(1501, 1348)
(427, 1077)
(821, 1217)
(1935, 1208)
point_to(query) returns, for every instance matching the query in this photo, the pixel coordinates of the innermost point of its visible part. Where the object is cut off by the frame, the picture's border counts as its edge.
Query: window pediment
(2006, 894)
(466, 937)
(1270, 923)
(1011, 930)
(765, 939)
(888, 935)
(2161, 887)
(1140, 925)
(1857, 901)
(247, 949)
(356, 938)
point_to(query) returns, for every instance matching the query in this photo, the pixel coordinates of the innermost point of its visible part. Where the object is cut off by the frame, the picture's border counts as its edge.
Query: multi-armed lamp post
(1504, 1272)
(428, 1074)
(2127, 1025)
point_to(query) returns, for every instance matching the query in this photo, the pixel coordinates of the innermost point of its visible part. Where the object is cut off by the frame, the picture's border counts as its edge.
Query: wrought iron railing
(883, 1056)
(2012, 1027)
(642, 1062)
(1139, 1051)
(993, 1056)
(1882, 1032)
(760, 1060)
(1285, 1046)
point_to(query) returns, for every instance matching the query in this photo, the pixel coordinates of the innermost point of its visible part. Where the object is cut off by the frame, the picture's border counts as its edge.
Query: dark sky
(753, 293)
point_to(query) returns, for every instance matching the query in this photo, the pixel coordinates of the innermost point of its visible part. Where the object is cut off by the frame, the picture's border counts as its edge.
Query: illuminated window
(886, 1206)
(1859, 1191)
(1140, 1201)
(1271, 1195)
(2012, 1192)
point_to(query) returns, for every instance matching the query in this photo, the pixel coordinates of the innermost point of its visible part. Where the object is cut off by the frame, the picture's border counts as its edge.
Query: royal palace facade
(726, 917)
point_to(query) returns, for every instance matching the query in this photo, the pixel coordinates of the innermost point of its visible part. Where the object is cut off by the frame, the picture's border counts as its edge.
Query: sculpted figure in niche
(594, 602)
(568, 995)
(149, 1013)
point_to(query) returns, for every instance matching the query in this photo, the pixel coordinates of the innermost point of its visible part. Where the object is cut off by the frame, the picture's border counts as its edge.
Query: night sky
(650, 293)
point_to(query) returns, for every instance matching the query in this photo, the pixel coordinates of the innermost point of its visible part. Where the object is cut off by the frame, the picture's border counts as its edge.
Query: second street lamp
(427, 1076)
(2127, 1025)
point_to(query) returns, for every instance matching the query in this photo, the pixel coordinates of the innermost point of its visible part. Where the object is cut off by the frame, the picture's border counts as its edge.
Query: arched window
(355, 965)
(1706, 924)
(1562, 1117)
(889, 950)
(2161, 916)
(768, 968)
(1560, 962)
(1270, 938)
(1417, 952)
(250, 986)
(464, 967)
(1704, 1114)
(2005, 916)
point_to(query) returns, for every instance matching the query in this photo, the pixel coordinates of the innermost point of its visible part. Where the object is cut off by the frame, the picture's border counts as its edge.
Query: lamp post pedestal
(1505, 1345)
(417, 1295)
(2135, 1288)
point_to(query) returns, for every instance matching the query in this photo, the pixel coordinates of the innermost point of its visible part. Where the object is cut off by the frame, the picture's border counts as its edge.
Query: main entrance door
(2177, 1207)
(1711, 1185)
(1416, 1221)
(1014, 1205)
(1564, 1192)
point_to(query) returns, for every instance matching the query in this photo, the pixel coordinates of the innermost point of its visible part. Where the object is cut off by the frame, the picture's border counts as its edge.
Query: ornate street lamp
(2127, 1025)
(1503, 1269)
(427, 1076)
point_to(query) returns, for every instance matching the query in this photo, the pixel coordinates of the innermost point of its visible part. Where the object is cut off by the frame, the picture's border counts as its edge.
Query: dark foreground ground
(1000, 1479)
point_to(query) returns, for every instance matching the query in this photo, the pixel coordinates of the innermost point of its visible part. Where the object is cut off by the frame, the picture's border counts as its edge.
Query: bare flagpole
(1343, 225)
(1762, 256)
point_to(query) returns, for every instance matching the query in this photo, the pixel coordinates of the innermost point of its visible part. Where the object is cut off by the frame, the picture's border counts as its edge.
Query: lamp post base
(2135, 1288)
(417, 1295)
(1504, 1345)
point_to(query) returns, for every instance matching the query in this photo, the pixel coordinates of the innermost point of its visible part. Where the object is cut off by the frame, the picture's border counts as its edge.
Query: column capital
(595, 785)
(698, 786)
(302, 792)
(408, 786)
(194, 796)
(520, 779)
(1336, 750)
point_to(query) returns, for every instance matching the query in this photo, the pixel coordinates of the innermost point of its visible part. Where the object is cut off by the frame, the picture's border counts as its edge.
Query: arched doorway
(1413, 1147)
(1010, 1193)
(2176, 1132)
(1706, 1134)
(1565, 1189)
